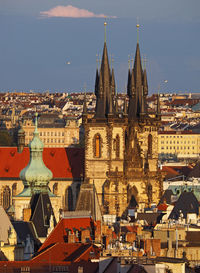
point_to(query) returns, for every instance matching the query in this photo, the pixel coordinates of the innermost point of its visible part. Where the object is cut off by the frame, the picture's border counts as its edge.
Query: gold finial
(137, 26)
(129, 62)
(105, 24)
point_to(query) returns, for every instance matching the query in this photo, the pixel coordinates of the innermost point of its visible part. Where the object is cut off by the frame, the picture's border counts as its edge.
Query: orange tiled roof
(63, 162)
(59, 232)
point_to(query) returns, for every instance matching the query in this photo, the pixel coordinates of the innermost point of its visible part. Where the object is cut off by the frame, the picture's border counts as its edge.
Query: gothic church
(121, 149)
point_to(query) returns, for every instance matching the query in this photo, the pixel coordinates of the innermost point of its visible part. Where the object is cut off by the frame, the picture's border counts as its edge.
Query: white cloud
(70, 11)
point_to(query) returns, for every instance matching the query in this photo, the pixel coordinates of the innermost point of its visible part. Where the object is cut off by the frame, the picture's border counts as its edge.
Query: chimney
(26, 214)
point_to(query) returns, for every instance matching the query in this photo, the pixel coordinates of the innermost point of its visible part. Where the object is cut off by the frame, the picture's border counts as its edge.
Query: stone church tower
(121, 149)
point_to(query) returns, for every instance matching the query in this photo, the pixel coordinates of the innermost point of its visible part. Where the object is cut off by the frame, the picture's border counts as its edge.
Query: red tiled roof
(162, 207)
(63, 162)
(71, 252)
(59, 232)
(170, 170)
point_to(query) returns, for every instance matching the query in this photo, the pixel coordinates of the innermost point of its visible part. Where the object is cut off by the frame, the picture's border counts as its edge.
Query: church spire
(106, 85)
(84, 103)
(97, 77)
(158, 112)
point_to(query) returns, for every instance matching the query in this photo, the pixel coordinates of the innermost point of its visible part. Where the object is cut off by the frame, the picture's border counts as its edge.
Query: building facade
(121, 149)
(53, 132)
(182, 144)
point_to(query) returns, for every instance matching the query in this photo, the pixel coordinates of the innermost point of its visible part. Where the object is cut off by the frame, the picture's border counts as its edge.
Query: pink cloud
(70, 11)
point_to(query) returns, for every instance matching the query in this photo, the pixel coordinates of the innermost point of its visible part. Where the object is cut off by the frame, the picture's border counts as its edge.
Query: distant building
(54, 131)
(181, 144)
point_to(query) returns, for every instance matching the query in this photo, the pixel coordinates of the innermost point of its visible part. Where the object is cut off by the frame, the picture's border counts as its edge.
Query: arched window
(69, 199)
(149, 145)
(6, 198)
(97, 145)
(117, 146)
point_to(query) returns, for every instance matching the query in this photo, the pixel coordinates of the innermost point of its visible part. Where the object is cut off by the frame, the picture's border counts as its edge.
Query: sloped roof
(151, 218)
(187, 203)
(64, 163)
(23, 229)
(42, 210)
(166, 197)
(195, 172)
(68, 252)
(59, 232)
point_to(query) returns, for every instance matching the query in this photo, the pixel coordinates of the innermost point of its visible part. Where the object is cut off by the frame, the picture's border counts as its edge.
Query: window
(150, 145)
(97, 145)
(117, 146)
(6, 198)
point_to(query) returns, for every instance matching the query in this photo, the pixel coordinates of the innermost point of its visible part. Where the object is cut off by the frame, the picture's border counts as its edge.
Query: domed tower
(20, 139)
(35, 175)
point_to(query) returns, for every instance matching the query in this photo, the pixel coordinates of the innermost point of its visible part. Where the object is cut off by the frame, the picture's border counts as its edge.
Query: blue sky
(38, 38)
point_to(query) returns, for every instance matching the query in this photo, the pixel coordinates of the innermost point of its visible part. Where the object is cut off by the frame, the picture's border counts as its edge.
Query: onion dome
(35, 175)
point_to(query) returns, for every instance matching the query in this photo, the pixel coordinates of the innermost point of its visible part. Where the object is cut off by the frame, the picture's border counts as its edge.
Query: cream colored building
(181, 144)
(54, 136)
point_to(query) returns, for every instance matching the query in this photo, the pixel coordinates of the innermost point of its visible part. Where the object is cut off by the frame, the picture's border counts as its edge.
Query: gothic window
(97, 145)
(6, 198)
(117, 146)
(55, 188)
(69, 199)
(150, 145)
(14, 189)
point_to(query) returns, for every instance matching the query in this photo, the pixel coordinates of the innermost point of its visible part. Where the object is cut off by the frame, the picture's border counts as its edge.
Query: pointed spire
(36, 133)
(132, 85)
(116, 105)
(158, 112)
(100, 87)
(129, 76)
(113, 83)
(125, 107)
(96, 82)
(105, 68)
(145, 84)
(138, 67)
(110, 106)
(142, 104)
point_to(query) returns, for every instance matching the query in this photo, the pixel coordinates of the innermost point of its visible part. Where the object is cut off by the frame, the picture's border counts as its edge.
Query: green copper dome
(35, 175)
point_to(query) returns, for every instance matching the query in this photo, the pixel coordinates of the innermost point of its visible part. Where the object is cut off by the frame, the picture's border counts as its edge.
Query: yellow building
(53, 134)
(183, 144)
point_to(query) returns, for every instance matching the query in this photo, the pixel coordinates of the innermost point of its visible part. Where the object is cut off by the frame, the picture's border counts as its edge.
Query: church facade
(121, 148)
